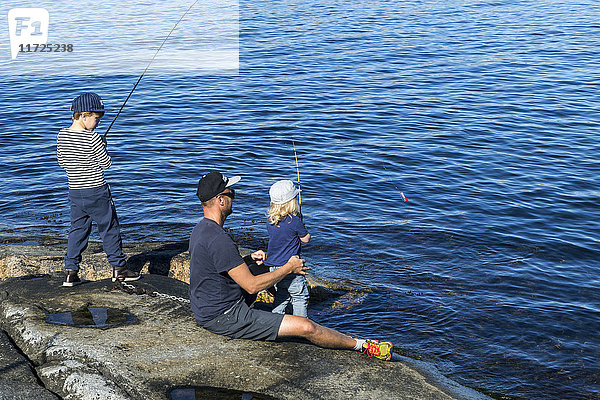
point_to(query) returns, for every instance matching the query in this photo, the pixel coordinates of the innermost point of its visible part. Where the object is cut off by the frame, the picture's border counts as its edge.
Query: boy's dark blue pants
(87, 205)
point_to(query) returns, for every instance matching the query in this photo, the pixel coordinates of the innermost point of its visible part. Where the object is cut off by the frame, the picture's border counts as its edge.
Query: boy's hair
(278, 212)
(77, 115)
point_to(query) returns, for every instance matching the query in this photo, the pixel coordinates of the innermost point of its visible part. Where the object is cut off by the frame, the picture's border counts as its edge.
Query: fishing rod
(147, 66)
(297, 173)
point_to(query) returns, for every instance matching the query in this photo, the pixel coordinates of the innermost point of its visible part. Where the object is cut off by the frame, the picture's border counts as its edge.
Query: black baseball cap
(214, 183)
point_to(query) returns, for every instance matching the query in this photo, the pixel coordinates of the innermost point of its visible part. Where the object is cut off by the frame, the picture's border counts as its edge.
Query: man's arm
(254, 284)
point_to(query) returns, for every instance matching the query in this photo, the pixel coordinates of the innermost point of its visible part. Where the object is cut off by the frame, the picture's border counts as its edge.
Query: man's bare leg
(317, 334)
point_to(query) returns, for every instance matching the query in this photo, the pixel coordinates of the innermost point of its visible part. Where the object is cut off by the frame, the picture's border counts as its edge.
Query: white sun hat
(283, 191)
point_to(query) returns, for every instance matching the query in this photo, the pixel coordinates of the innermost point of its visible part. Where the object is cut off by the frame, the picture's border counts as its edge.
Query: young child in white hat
(286, 235)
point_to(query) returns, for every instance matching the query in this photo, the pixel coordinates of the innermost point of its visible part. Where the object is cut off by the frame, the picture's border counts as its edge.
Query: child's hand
(259, 256)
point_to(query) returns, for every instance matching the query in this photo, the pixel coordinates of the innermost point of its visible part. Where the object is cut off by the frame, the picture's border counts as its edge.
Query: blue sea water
(484, 114)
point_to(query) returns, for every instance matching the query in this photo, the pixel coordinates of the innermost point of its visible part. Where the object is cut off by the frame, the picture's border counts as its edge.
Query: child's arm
(100, 153)
(59, 156)
(301, 231)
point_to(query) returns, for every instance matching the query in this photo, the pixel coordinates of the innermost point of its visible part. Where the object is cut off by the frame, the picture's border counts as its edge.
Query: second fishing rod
(145, 70)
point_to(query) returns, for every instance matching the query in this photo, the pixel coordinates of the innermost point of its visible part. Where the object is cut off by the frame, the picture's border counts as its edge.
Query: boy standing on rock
(82, 153)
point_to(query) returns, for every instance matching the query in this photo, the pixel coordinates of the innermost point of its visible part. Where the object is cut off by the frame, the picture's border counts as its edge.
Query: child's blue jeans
(87, 205)
(291, 289)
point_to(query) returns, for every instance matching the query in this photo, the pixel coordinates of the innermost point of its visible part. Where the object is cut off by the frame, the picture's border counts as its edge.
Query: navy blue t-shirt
(212, 254)
(284, 240)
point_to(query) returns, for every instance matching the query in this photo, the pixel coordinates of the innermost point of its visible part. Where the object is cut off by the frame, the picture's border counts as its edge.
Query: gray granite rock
(17, 379)
(164, 349)
(46, 255)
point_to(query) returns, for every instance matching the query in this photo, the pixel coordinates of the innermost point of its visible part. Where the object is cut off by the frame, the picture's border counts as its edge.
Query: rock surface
(45, 256)
(164, 352)
(162, 258)
(17, 380)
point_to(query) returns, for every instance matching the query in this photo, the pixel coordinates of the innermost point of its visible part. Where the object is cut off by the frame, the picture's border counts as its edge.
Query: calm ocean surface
(483, 113)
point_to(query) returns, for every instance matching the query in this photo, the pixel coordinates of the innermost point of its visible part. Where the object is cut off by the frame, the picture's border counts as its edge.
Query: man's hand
(104, 142)
(259, 256)
(255, 283)
(298, 266)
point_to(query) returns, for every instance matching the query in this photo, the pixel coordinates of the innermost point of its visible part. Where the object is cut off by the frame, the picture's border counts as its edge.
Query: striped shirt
(83, 156)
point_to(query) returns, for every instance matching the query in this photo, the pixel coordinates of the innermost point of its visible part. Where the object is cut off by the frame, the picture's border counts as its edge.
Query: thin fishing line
(148, 66)
(389, 176)
(388, 173)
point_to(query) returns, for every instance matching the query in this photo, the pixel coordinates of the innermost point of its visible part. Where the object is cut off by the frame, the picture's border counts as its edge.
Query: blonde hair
(277, 212)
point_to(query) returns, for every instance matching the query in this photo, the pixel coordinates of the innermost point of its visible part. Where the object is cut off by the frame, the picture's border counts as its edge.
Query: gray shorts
(242, 322)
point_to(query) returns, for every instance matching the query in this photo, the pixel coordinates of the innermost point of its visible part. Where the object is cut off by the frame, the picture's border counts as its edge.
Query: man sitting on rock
(220, 281)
